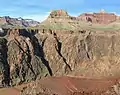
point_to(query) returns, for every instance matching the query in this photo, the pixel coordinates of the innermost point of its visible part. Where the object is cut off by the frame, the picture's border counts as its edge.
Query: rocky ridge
(8, 22)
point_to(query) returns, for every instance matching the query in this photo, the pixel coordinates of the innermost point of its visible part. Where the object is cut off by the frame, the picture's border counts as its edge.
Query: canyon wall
(31, 54)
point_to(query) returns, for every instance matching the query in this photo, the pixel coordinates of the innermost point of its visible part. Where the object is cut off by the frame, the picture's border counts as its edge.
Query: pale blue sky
(39, 9)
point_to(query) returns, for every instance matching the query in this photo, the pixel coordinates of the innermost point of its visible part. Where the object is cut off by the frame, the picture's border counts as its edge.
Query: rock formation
(100, 18)
(33, 54)
(82, 53)
(8, 22)
(58, 13)
(28, 55)
(21, 60)
(61, 20)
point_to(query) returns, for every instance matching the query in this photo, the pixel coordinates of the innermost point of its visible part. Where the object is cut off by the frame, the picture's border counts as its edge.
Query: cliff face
(59, 20)
(32, 54)
(87, 54)
(58, 13)
(22, 61)
(82, 53)
(100, 18)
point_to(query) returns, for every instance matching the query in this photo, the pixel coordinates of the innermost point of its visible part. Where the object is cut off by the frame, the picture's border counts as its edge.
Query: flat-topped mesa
(58, 14)
(102, 17)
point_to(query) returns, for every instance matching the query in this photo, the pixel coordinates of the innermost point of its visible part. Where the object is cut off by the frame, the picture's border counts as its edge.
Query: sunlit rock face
(100, 18)
(32, 54)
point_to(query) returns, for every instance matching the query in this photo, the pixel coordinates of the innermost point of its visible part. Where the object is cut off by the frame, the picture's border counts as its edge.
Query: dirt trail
(71, 84)
(9, 91)
(67, 85)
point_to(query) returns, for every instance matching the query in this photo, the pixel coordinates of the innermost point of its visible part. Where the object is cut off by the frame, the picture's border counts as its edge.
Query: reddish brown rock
(58, 13)
(101, 18)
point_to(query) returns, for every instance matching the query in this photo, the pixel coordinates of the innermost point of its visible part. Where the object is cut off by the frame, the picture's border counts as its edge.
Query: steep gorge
(63, 55)
(36, 54)
(30, 55)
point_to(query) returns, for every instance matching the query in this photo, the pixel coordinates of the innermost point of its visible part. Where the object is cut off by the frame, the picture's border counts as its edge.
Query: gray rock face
(8, 22)
(4, 66)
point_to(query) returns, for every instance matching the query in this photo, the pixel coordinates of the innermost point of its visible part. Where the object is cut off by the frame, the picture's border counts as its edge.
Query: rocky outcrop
(84, 53)
(58, 13)
(21, 58)
(26, 63)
